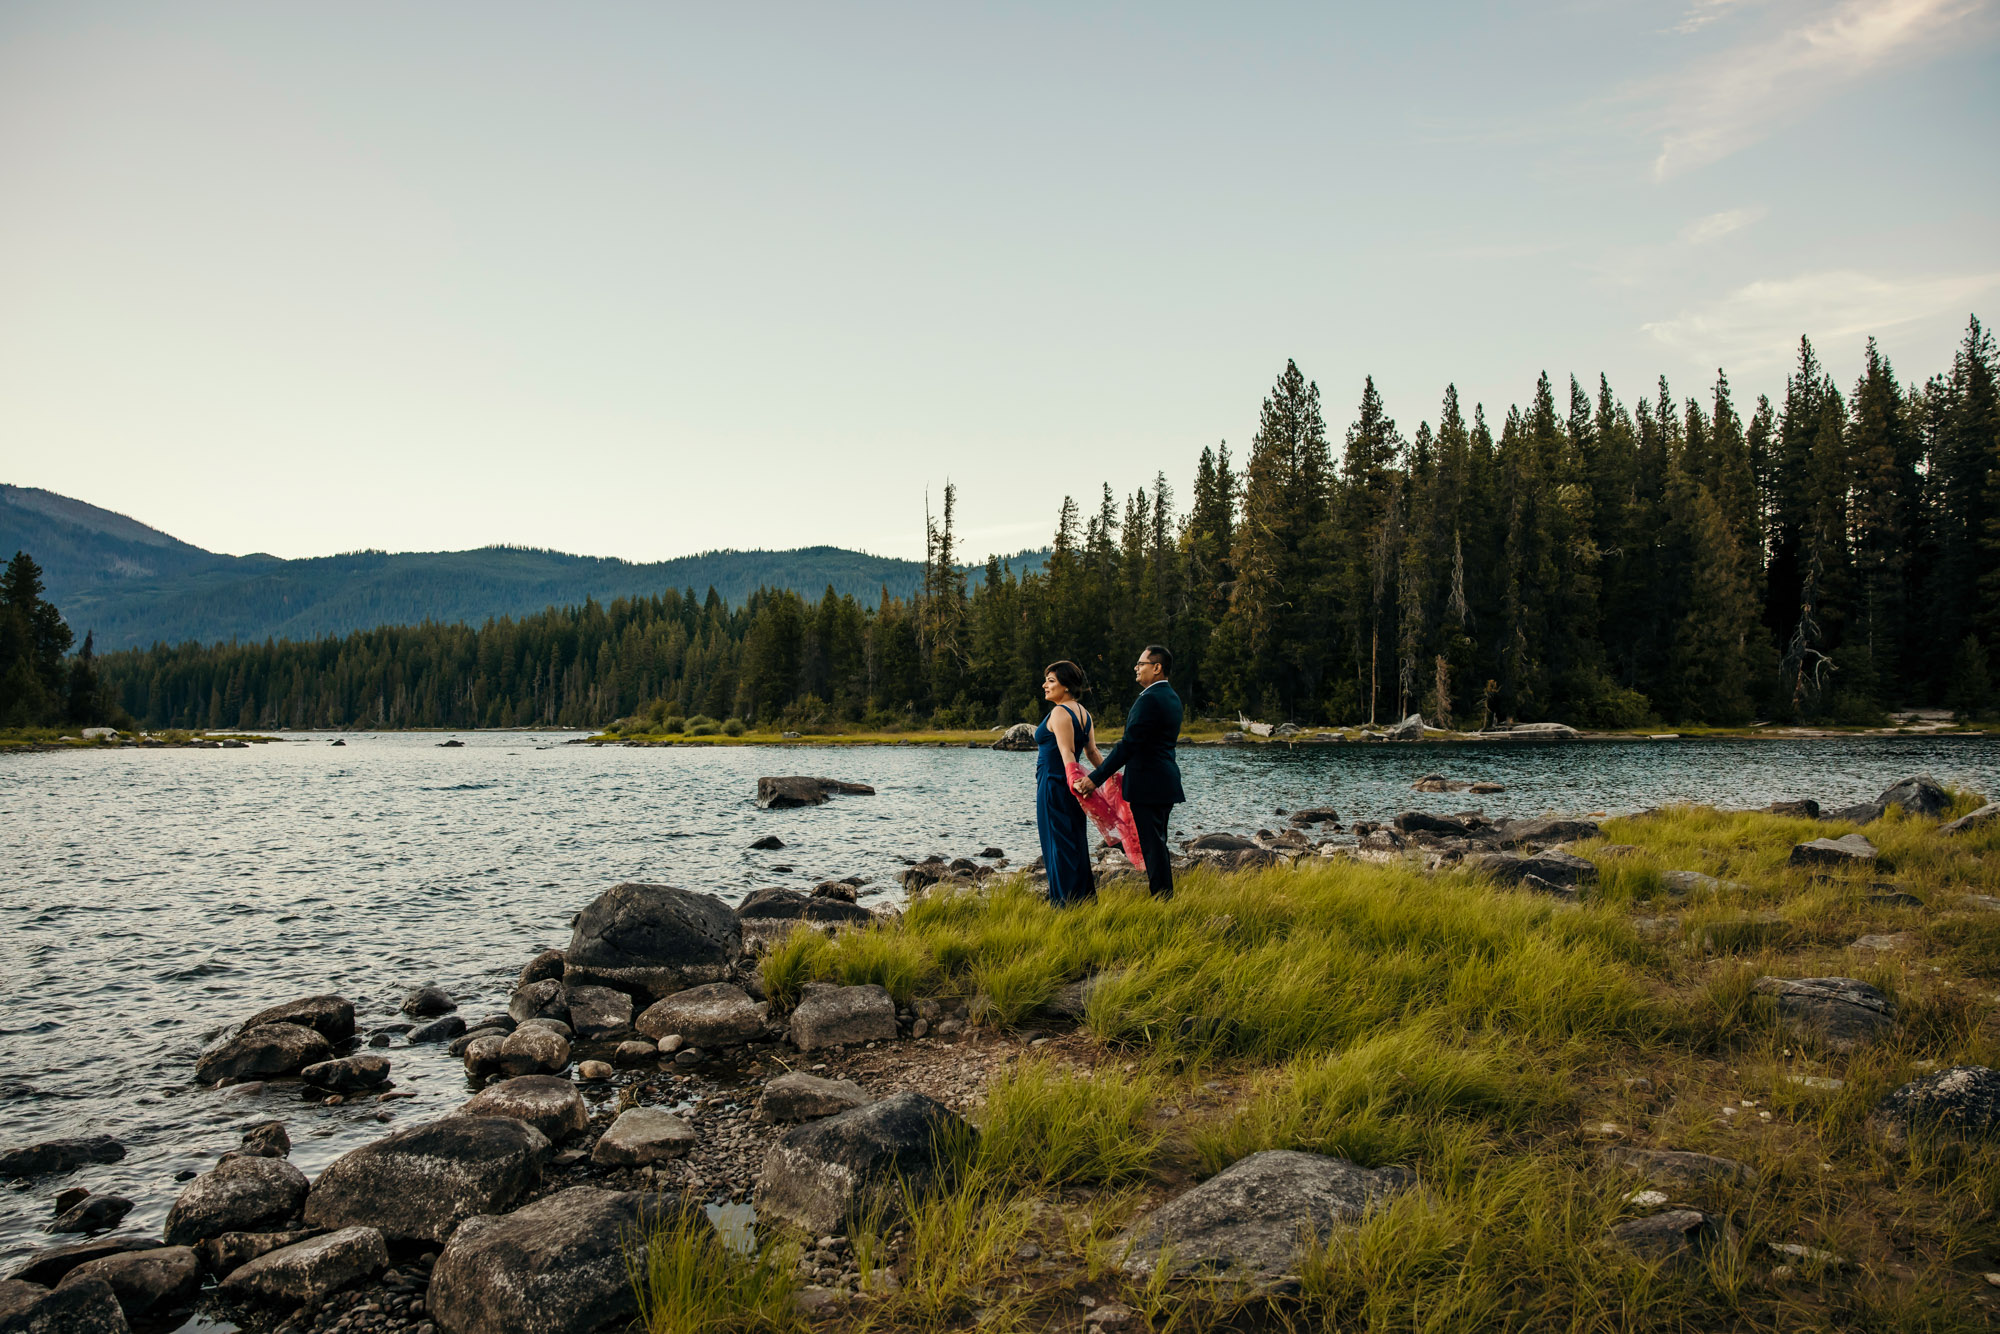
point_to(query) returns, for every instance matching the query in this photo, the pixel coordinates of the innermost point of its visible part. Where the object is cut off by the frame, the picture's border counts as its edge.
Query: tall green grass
(690, 1281)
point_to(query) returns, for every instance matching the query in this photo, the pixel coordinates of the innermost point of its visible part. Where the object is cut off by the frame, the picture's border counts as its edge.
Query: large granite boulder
(1677, 1167)
(1849, 850)
(82, 1308)
(248, 1194)
(830, 1016)
(1248, 1223)
(149, 1282)
(420, 1183)
(261, 1051)
(1021, 736)
(332, 1017)
(46, 1268)
(549, 1103)
(1842, 1012)
(798, 1096)
(599, 1014)
(1917, 795)
(1962, 1103)
(1424, 822)
(715, 1014)
(642, 1136)
(59, 1155)
(558, 1266)
(652, 940)
(348, 1074)
(824, 1173)
(306, 1271)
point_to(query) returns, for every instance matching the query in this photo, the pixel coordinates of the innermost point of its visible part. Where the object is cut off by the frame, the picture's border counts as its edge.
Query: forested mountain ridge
(1824, 554)
(133, 586)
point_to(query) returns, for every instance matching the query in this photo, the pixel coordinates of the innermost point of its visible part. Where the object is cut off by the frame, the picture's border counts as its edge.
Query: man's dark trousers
(1152, 776)
(1152, 822)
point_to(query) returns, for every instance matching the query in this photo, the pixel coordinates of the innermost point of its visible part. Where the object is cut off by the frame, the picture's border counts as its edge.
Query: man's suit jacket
(1146, 751)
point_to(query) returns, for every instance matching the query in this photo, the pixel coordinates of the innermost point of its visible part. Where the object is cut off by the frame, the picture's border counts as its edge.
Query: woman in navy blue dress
(1065, 832)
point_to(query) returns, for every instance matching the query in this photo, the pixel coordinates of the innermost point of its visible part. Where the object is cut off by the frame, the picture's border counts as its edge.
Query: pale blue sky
(643, 279)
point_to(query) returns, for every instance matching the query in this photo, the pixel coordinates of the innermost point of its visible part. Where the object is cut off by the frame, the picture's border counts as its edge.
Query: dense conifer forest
(1684, 558)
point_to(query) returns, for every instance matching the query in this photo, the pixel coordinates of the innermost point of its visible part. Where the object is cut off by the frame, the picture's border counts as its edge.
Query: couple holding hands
(1131, 808)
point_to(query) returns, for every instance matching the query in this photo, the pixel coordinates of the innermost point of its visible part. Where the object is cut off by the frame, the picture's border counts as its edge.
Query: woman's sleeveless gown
(1065, 831)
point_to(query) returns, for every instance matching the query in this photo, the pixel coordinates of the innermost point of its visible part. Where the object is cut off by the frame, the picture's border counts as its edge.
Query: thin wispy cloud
(1725, 101)
(1759, 324)
(1718, 225)
(1704, 12)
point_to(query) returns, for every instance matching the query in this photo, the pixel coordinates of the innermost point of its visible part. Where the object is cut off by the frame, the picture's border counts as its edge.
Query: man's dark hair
(1161, 654)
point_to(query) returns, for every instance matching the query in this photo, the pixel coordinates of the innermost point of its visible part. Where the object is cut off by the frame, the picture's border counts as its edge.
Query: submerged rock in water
(93, 1213)
(1250, 1222)
(419, 1184)
(653, 940)
(558, 1266)
(332, 1017)
(47, 1267)
(59, 1155)
(441, 1029)
(428, 1002)
(348, 1074)
(267, 1049)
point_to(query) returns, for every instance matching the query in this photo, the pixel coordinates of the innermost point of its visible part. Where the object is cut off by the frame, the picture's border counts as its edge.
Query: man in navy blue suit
(1146, 754)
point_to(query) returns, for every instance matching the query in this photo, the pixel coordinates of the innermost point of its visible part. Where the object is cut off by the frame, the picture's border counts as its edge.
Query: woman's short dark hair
(1069, 676)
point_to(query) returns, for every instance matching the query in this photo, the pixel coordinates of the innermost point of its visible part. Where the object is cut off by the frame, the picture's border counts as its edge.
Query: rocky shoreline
(723, 1105)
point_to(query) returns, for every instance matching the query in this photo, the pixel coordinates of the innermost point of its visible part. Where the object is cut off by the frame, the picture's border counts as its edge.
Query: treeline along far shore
(1822, 555)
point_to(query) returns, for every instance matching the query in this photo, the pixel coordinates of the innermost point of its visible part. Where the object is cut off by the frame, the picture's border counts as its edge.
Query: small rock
(689, 1056)
(1962, 1103)
(1979, 819)
(1667, 1236)
(803, 1097)
(421, 1183)
(635, 1053)
(1112, 1315)
(1887, 944)
(1249, 1221)
(441, 1029)
(672, 1043)
(642, 1136)
(247, 1194)
(1676, 1167)
(222, 1255)
(96, 1213)
(557, 1266)
(532, 1050)
(595, 1071)
(463, 1042)
(67, 1200)
(825, 1172)
(549, 1103)
(428, 1002)
(717, 1014)
(348, 1074)
(544, 967)
(829, 1016)
(768, 843)
(88, 1307)
(156, 1280)
(308, 1271)
(267, 1049)
(332, 1017)
(1847, 850)
(1842, 1012)
(1806, 808)
(59, 1155)
(546, 999)
(482, 1055)
(1694, 882)
(1816, 1083)
(599, 1014)
(47, 1267)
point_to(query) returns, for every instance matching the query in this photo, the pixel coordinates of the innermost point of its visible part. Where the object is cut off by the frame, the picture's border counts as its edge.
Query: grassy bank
(1491, 1040)
(69, 738)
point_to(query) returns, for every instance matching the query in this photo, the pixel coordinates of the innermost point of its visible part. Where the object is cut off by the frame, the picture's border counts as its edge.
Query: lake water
(149, 897)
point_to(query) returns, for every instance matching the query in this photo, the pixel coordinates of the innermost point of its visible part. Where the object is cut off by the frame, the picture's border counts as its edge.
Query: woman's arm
(1090, 746)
